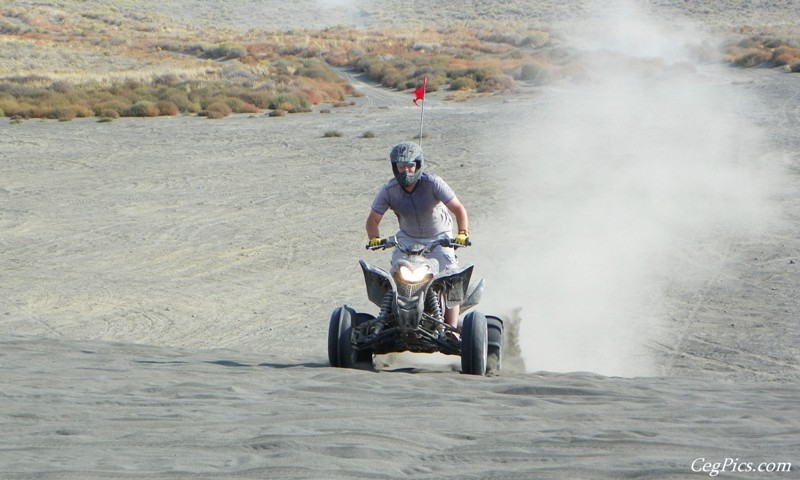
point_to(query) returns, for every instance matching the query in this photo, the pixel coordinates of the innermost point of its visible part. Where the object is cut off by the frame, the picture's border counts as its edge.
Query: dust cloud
(341, 9)
(622, 185)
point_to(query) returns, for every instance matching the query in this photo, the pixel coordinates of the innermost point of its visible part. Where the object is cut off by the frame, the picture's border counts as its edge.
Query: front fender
(455, 283)
(378, 282)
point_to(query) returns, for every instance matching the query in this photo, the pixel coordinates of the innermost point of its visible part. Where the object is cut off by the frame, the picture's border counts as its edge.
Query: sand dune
(78, 409)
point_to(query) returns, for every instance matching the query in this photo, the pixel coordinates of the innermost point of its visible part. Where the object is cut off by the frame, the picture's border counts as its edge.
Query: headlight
(413, 276)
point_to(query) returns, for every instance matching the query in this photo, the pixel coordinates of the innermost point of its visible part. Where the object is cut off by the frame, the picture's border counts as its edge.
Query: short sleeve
(442, 190)
(381, 203)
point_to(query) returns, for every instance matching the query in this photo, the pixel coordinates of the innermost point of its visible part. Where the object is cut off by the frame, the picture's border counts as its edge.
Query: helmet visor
(405, 165)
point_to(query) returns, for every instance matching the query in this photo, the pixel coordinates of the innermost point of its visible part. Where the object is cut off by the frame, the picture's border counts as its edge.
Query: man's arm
(459, 212)
(373, 220)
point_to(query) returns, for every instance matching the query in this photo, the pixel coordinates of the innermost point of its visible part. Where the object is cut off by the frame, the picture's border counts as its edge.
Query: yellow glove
(375, 242)
(462, 238)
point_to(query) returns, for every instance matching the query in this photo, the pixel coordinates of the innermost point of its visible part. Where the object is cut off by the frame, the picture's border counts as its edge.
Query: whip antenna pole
(421, 121)
(419, 94)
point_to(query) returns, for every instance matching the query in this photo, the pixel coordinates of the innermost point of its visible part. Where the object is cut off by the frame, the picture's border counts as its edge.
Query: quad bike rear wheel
(474, 344)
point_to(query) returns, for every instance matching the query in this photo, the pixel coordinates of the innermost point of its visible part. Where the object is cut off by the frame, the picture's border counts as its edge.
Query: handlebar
(391, 242)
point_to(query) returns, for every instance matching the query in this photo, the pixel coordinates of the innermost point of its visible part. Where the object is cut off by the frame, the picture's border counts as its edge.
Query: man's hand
(462, 238)
(375, 242)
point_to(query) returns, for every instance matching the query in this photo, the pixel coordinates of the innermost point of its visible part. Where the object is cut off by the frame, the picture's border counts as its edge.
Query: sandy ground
(167, 284)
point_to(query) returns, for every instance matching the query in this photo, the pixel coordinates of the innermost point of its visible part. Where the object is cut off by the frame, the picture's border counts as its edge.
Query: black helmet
(404, 153)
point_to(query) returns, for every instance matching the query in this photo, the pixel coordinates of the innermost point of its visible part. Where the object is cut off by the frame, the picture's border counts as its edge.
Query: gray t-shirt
(421, 213)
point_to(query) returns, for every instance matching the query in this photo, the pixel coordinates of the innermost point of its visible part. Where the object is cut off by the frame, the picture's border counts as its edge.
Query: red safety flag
(419, 94)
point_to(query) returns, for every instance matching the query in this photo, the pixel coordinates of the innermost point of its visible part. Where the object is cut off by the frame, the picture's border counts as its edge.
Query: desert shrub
(312, 95)
(299, 110)
(288, 102)
(225, 50)
(332, 134)
(437, 81)
(249, 108)
(63, 114)
(22, 90)
(751, 57)
(368, 134)
(8, 28)
(82, 110)
(786, 55)
(389, 71)
(514, 39)
(109, 108)
(751, 42)
(365, 63)
(536, 40)
(142, 108)
(240, 106)
(483, 74)
(533, 72)
(61, 86)
(236, 72)
(133, 85)
(277, 113)
(791, 40)
(425, 47)
(8, 104)
(108, 113)
(26, 111)
(231, 101)
(393, 77)
(258, 98)
(515, 55)
(332, 92)
(165, 107)
(282, 66)
(169, 79)
(29, 79)
(103, 17)
(795, 67)
(217, 109)
(496, 83)
(463, 83)
(533, 39)
(318, 70)
(180, 98)
(123, 93)
(2, 113)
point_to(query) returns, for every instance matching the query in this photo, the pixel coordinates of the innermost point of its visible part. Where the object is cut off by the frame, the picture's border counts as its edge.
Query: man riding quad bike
(420, 299)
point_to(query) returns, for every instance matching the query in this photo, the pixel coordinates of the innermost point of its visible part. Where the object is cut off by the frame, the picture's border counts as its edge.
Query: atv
(412, 298)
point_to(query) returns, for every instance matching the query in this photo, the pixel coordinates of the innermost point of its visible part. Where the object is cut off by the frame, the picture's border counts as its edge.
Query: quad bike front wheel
(341, 351)
(495, 343)
(474, 344)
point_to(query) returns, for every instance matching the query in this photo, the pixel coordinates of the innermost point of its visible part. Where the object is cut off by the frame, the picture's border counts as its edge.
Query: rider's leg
(447, 259)
(451, 315)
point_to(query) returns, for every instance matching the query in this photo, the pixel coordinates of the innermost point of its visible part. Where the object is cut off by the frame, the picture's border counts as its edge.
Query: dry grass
(765, 48)
(63, 60)
(113, 65)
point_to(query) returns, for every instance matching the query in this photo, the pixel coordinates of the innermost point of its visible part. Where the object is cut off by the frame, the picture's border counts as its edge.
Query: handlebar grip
(451, 243)
(385, 243)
